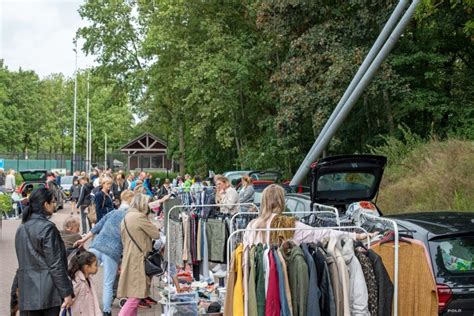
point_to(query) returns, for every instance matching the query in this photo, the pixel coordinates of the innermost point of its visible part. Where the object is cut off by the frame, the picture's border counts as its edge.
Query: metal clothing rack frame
(284, 213)
(370, 216)
(394, 224)
(177, 207)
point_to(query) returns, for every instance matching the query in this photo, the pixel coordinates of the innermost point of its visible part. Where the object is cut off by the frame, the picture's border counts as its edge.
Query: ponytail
(79, 260)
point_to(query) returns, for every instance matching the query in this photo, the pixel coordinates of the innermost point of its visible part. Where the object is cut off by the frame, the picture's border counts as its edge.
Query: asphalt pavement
(9, 264)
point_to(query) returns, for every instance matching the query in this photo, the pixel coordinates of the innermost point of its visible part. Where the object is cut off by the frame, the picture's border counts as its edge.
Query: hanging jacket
(298, 277)
(417, 294)
(314, 294)
(260, 281)
(384, 284)
(334, 248)
(327, 302)
(284, 305)
(272, 306)
(238, 300)
(370, 280)
(252, 297)
(359, 297)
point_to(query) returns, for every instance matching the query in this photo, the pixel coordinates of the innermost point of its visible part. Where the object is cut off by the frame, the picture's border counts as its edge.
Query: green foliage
(5, 204)
(397, 148)
(431, 177)
(240, 84)
(37, 114)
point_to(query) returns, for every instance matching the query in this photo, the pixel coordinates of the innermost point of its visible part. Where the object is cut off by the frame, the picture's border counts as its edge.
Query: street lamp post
(88, 162)
(75, 116)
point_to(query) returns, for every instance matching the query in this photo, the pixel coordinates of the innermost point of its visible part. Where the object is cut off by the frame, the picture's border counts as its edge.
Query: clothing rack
(285, 213)
(332, 209)
(178, 207)
(372, 217)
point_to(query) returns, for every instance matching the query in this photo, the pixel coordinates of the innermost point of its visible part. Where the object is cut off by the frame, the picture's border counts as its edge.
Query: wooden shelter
(148, 152)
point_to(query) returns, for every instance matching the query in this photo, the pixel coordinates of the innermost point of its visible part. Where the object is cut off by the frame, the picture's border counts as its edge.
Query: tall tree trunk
(388, 110)
(182, 157)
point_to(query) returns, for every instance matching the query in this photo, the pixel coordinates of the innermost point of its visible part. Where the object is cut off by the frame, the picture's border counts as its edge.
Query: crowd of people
(56, 267)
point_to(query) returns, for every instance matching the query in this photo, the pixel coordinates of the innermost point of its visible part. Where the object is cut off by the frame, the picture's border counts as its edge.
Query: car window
(345, 181)
(454, 255)
(300, 208)
(291, 204)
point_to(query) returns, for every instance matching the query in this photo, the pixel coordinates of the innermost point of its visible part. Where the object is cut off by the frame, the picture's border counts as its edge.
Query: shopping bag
(66, 312)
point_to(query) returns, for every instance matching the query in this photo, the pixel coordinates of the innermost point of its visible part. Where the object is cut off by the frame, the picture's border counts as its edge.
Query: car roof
(439, 223)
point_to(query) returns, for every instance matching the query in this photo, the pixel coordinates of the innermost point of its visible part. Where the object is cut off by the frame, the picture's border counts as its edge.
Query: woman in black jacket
(84, 201)
(41, 279)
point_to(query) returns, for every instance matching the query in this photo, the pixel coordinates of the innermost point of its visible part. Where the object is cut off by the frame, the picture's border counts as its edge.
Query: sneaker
(150, 301)
(144, 304)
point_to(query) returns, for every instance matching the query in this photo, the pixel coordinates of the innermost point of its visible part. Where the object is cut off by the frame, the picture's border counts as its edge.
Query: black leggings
(52, 311)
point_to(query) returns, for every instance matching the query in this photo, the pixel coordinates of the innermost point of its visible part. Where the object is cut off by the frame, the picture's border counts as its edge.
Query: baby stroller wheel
(122, 302)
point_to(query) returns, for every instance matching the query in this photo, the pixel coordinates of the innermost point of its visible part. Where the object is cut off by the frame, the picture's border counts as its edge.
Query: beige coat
(133, 280)
(85, 301)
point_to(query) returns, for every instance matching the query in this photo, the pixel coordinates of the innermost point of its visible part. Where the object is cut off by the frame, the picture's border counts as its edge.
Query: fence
(20, 161)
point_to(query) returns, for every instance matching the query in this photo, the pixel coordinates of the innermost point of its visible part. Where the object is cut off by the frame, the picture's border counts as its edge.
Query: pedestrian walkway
(9, 264)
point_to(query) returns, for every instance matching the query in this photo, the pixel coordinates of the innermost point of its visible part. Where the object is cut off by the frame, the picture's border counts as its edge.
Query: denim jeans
(110, 272)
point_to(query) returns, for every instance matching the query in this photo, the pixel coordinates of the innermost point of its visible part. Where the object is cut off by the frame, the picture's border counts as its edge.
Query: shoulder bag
(153, 260)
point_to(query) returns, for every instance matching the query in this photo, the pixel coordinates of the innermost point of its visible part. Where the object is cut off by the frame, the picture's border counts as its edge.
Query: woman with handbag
(42, 277)
(137, 234)
(107, 247)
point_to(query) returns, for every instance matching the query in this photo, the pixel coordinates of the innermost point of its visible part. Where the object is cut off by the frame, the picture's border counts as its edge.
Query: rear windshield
(345, 181)
(454, 255)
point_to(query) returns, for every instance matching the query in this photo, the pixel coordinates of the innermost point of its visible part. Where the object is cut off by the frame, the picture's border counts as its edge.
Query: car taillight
(444, 296)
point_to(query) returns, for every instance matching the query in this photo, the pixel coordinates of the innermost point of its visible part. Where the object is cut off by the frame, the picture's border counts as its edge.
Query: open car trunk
(341, 180)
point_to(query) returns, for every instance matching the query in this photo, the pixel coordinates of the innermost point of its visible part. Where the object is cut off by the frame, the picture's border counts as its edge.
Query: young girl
(82, 266)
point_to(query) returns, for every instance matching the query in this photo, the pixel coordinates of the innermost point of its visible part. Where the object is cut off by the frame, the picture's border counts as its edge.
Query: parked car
(259, 186)
(66, 185)
(32, 179)
(449, 239)
(235, 176)
(341, 180)
(298, 203)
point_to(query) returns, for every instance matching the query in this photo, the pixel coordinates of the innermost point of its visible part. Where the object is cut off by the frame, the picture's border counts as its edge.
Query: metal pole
(387, 29)
(87, 126)
(318, 147)
(105, 152)
(90, 147)
(75, 115)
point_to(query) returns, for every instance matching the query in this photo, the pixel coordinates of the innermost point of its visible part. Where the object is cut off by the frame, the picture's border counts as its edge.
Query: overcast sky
(38, 35)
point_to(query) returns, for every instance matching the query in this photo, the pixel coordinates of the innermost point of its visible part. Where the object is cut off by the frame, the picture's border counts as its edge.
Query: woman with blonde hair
(246, 194)
(103, 200)
(137, 232)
